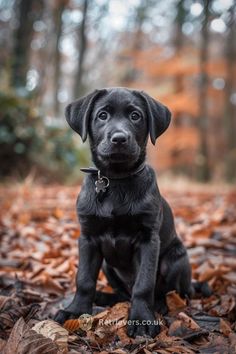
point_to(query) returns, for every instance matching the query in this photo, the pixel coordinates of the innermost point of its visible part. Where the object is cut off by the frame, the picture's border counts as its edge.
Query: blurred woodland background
(183, 52)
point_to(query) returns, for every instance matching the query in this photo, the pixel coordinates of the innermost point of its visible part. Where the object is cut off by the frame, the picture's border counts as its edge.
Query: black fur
(130, 231)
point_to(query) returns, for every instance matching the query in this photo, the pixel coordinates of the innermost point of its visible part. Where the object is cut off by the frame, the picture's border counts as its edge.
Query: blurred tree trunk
(179, 41)
(178, 78)
(230, 108)
(136, 42)
(22, 40)
(82, 46)
(203, 168)
(58, 11)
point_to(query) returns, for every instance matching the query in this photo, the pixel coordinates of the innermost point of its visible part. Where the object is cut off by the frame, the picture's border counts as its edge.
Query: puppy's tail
(201, 288)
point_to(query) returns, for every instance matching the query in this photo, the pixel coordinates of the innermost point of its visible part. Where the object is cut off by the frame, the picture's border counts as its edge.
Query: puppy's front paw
(63, 315)
(142, 324)
(74, 310)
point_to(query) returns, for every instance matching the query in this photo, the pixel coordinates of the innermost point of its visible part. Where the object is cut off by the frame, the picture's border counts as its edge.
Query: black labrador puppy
(127, 227)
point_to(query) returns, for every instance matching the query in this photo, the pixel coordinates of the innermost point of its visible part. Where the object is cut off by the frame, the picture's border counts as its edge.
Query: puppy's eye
(103, 115)
(135, 115)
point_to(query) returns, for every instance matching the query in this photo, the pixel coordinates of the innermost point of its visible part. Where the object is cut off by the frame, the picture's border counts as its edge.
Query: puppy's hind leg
(173, 275)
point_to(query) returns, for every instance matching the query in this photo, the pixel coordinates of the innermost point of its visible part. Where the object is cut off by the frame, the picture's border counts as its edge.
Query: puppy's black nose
(119, 138)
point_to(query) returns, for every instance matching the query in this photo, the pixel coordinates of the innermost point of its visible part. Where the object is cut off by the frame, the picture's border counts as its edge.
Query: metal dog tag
(101, 184)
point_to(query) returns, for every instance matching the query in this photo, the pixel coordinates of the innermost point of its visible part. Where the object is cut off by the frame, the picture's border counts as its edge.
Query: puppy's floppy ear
(159, 117)
(78, 113)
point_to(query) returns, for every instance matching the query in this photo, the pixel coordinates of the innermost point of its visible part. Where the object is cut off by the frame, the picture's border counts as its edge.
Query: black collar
(102, 183)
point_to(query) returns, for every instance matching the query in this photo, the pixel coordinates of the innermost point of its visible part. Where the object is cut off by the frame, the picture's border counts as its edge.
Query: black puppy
(126, 225)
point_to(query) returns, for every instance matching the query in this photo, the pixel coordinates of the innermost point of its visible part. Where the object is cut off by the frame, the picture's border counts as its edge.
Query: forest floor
(38, 262)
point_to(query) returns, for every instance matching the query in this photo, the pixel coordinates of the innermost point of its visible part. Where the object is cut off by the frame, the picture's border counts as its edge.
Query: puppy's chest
(113, 224)
(125, 209)
(116, 235)
(116, 214)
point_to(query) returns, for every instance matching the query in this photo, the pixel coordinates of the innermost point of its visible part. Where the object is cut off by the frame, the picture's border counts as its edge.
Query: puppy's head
(118, 121)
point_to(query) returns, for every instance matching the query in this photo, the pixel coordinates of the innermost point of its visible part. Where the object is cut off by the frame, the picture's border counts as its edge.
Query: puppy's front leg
(142, 317)
(90, 260)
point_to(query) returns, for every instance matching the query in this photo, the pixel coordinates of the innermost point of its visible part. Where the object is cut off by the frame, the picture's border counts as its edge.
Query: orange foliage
(174, 78)
(153, 63)
(183, 102)
(176, 147)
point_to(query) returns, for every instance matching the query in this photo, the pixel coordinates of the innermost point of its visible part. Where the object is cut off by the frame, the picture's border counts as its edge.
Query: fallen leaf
(13, 311)
(2, 344)
(227, 304)
(177, 329)
(232, 339)
(4, 300)
(146, 351)
(23, 340)
(174, 301)
(72, 325)
(225, 327)
(210, 273)
(188, 321)
(51, 329)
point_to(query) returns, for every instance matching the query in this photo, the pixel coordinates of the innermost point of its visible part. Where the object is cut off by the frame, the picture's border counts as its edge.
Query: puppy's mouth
(123, 154)
(117, 157)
